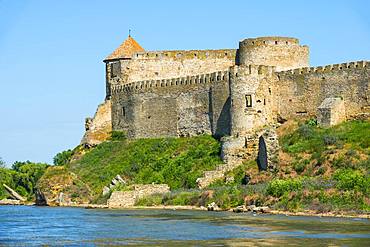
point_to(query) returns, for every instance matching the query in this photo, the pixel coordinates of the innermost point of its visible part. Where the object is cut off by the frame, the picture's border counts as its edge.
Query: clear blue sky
(51, 52)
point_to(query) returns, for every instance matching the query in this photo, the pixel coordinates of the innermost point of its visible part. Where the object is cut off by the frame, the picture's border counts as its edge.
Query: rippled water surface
(34, 226)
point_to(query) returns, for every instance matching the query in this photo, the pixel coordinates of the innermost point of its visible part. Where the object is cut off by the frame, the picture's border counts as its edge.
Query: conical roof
(125, 50)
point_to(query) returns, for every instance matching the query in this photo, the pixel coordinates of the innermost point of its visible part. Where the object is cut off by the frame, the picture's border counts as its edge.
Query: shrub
(341, 162)
(228, 197)
(321, 170)
(316, 183)
(348, 179)
(329, 140)
(340, 200)
(279, 187)
(181, 198)
(299, 167)
(152, 200)
(352, 153)
(312, 122)
(305, 131)
(63, 158)
(118, 135)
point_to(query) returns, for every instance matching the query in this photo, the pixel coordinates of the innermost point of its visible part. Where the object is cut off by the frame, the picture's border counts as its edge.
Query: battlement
(253, 69)
(180, 81)
(263, 41)
(326, 68)
(186, 54)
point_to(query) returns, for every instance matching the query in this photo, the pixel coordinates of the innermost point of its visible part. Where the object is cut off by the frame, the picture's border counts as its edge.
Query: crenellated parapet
(173, 82)
(327, 68)
(185, 54)
(275, 41)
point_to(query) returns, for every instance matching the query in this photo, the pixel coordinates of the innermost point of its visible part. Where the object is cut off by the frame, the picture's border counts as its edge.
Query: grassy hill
(320, 169)
(177, 162)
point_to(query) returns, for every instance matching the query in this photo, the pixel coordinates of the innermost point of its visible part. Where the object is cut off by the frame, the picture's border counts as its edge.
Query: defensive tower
(282, 52)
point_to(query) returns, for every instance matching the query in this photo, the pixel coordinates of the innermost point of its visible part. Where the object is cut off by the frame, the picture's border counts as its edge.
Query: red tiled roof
(126, 49)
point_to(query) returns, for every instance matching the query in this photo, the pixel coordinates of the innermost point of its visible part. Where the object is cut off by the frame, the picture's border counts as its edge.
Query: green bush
(279, 187)
(343, 200)
(63, 158)
(312, 122)
(329, 140)
(118, 135)
(153, 200)
(181, 198)
(299, 167)
(305, 131)
(348, 179)
(321, 170)
(229, 197)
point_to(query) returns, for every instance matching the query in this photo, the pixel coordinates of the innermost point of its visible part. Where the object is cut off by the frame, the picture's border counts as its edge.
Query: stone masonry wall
(156, 65)
(120, 199)
(185, 106)
(99, 127)
(301, 91)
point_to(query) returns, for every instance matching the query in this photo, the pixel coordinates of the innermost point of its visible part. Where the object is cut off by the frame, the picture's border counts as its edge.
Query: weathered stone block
(331, 112)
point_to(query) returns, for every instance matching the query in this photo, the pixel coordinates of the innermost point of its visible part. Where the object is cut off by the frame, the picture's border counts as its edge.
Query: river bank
(196, 208)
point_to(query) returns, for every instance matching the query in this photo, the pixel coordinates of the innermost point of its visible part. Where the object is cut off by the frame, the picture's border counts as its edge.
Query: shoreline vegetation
(321, 172)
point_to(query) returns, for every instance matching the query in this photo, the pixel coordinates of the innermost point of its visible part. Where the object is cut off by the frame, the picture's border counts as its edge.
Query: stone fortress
(232, 94)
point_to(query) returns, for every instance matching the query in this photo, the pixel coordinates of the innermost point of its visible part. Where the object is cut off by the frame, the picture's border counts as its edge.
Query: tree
(2, 163)
(26, 174)
(62, 158)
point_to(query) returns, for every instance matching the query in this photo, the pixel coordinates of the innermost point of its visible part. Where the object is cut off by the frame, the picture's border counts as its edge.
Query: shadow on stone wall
(223, 121)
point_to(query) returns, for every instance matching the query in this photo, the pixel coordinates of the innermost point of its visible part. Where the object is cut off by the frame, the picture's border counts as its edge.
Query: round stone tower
(282, 52)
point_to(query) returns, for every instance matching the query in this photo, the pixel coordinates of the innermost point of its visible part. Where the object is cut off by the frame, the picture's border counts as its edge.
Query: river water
(34, 226)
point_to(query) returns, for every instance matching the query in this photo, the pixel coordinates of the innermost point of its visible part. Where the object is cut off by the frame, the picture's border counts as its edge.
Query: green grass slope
(177, 162)
(320, 170)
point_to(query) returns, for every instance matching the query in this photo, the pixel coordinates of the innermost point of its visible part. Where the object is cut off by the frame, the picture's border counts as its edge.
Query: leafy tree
(25, 175)
(2, 162)
(18, 164)
(63, 157)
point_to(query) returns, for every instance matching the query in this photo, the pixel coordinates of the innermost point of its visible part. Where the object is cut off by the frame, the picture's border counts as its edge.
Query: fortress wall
(301, 91)
(172, 64)
(183, 106)
(281, 52)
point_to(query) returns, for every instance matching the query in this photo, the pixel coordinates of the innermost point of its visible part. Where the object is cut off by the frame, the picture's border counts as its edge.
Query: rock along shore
(187, 207)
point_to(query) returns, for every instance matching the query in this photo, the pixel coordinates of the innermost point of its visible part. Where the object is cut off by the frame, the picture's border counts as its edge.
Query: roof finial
(129, 32)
